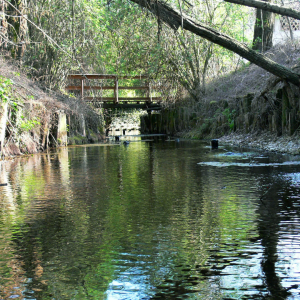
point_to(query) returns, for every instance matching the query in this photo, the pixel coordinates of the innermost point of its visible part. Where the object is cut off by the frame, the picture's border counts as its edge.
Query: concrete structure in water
(62, 132)
(3, 120)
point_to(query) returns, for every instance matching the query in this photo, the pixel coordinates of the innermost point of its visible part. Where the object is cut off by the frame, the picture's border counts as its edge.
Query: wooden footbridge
(148, 103)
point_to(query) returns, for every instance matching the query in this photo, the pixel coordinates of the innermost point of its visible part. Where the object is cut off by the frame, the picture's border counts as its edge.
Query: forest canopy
(188, 43)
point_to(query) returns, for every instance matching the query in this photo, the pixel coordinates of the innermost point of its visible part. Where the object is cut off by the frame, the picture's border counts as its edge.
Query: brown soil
(255, 81)
(37, 102)
(252, 79)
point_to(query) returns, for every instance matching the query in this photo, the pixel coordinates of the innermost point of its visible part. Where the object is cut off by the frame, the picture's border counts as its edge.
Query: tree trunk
(175, 19)
(19, 33)
(23, 29)
(290, 26)
(3, 24)
(277, 9)
(263, 30)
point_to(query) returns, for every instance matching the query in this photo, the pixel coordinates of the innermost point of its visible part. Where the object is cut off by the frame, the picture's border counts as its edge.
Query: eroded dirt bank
(34, 118)
(250, 107)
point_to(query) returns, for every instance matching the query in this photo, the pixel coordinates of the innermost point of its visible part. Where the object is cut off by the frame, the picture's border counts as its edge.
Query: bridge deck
(148, 103)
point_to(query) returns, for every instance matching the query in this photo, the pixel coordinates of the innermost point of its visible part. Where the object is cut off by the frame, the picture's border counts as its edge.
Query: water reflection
(147, 221)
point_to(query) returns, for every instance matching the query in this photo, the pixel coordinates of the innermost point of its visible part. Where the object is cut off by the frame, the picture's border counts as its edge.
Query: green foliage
(230, 115)
(117, 37)
(27, 125)
(5, 89)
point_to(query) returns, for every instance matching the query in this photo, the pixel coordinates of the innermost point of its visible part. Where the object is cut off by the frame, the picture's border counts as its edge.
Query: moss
(93, 137)
(101, 129)
(77, 140)
(71, 141)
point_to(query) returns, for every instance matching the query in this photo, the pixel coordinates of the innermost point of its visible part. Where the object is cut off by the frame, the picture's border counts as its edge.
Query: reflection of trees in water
(271, 212)
(55, 251)
(268, 227)
(147, 204)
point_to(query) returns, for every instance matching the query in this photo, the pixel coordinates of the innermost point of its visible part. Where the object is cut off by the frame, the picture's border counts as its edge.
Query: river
(155, 219)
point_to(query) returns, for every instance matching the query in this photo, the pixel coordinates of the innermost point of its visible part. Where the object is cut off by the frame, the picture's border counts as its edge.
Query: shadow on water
(273, 211)
(159, 219)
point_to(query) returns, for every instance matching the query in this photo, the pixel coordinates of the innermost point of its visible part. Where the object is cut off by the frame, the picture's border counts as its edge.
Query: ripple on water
(148, 222)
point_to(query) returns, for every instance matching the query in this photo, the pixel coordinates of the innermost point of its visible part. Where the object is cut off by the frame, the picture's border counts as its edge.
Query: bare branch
(173, 18)
(277, 9)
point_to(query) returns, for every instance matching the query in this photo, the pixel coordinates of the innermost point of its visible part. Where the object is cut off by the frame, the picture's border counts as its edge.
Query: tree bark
(263, 30)
(175, 19)
(23, 28)
(3, 24)
(277, 9)
(19, 34)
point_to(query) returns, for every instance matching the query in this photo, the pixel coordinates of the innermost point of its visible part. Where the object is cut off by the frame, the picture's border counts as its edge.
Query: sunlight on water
(153, 219)
(248, 164)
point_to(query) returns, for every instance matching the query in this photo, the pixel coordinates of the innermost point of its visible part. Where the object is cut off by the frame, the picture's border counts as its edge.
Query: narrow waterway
(154, 219)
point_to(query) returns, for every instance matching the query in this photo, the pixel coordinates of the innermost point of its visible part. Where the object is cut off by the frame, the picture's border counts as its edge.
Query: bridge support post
(149, 94)
(116, 91)
(150, 121)
(82, 89)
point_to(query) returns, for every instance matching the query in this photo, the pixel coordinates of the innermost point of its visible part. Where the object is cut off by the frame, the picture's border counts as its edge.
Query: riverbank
(265, 141)
(248, 107)
(34, 118)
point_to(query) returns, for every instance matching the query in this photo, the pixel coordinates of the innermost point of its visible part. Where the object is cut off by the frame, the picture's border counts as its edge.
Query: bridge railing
(115, 99)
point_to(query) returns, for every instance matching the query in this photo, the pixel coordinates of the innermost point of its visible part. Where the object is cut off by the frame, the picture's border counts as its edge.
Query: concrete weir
(62, 132)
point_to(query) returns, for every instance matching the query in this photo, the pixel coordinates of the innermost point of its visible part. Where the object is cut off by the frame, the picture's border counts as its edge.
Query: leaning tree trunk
(263, 30)
(175, 19)
(277, 9)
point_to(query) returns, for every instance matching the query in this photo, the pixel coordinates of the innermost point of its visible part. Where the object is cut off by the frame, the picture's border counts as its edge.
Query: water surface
(151, 220)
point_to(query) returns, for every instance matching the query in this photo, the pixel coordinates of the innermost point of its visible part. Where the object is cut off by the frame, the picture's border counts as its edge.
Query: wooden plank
(121, 98)
(119, 105)
(103, 76)
(78, 88)
(133, 77)
(91, 76)
(130, 101)
(82, 88)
